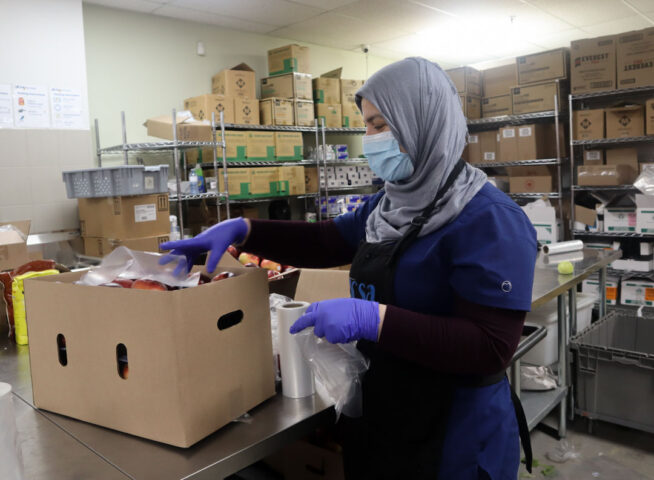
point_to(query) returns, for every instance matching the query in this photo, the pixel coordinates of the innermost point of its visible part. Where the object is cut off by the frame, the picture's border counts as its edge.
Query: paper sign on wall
(67, 109)
(30, 105)
(6, 112)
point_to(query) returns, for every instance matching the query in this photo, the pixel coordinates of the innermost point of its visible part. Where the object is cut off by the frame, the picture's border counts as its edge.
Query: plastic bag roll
(563, 247)
(11, 464)
(297, 377)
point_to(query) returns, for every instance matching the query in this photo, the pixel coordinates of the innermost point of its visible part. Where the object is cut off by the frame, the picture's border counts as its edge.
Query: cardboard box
(636, 291)
(535, 141)
(351, 116)
(326, 90)
(264, 181)
(588, 124)
(100, 246)
(598, 175)
(537, 98)
(310, 180)
(635, 62)
(497, 106)
(543, 218)
(331, 114)
(292, 180)
(500, 182)
(13, 244)
(471, 106)
(620, 215)
(543, 67)
(591, 286)
(188, 130)
(633, 265)
(287, 59)
(508, 149)
(260, 146)
(236, 146)
(290, 85)
(587, 216)
(488, 145)
(349, 88)
(626, 158)
(593, 157)
(593, 65)
(238, 81)
(498, 81)
(532, 184)
(473, 149)
(124, 217)
(649, 117)
(202, 106)
(288, 146)
(246, 111)
(644, 213)
(466, 80)
(628, 121)
(172, 358)
(239, 182)
(304, 113)
(276, 111)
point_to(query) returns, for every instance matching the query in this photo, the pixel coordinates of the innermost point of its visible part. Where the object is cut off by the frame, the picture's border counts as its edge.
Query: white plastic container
(546, 352)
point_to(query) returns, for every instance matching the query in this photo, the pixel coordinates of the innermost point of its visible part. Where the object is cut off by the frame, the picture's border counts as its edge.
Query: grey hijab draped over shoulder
(422, 109)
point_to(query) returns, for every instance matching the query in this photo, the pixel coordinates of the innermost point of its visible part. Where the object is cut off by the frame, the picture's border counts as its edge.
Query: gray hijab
(422, 109)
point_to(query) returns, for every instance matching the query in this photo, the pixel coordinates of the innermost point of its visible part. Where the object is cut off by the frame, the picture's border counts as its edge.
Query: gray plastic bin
(116, 181)
(155, 179)
(614, 366)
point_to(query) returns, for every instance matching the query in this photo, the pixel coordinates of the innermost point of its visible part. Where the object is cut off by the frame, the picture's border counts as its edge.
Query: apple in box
(270, 265)
(246, 258)
(149, 285)
(222, 276)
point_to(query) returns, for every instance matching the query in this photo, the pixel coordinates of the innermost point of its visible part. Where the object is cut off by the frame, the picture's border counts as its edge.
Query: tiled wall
(31, 185)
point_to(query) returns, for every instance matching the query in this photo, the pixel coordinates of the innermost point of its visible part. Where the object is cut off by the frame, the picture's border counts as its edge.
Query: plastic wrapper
(339, 368)
(536, 378)
(11, 461)
(131, 264)
(565, 450)
(275, 301)
(645, 181)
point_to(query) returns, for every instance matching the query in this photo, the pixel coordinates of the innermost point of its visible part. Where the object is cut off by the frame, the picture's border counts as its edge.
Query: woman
(441, 278)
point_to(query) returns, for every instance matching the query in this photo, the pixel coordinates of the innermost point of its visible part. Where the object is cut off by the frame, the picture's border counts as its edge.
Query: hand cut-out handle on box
(121, 360)
(230, 319)
(61, 350)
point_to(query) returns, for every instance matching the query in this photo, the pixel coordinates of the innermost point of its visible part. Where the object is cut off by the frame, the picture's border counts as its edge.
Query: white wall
(146, 65)
(43, 44)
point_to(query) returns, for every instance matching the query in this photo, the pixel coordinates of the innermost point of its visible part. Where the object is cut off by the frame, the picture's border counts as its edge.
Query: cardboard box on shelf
(351, 115)
(349, 88)
(101, 246)
(13, 244)
(332, 114)
(635, 62)
(230, 325)
(260, 146)
(326, 90)
(620, 215)
(508, 147)
(238, 81)
(488, 145)
(289, 85)
(591, 285)
(304, 113)
(124, 217)
(644, 213)
(276, 111)
(498, 81)
(496, 106)
(236, 145)
(649, 117)
(473, 149)
(466, 80)
(543, 218)
(587, 216)
(471, 106)
(264, 181)
(310, 180)
(537, 97)
(627, 158)
(593, 157)
(535, 141)
(588, 124)
(188, 130)
(593, 65)
(636, 291)
(246, 111)
(628, 121)
(287, 59)
(533, 171)
(598, 175)
(203, 105)
(288, 146)
(543, 67)
(292, 180)
(239, 182)
(532, 184)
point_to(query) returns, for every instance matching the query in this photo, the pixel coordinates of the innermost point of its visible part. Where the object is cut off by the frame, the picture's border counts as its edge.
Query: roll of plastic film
(297, 377)
(563, 247)
(11, 464)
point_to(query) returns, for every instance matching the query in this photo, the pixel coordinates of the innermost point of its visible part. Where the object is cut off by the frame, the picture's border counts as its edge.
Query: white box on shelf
(636, 291)
(591, 287)
(543, 218)
(632, 265)
(644, 213)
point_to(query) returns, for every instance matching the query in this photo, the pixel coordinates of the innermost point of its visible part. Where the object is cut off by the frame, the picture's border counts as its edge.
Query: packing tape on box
(11, 464)
(563, 247)
(297, 377)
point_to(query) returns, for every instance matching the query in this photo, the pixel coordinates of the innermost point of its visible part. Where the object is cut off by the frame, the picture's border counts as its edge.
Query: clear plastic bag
(131, 264)
(536, 378)
(339, 368)
(645, 181)
(275, 301)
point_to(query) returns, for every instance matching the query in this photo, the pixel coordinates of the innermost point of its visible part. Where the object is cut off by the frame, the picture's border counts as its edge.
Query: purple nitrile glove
(341, 320)
(216, 240)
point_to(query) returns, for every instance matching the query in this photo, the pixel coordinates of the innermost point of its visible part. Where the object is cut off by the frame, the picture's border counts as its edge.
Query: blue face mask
(385, 158)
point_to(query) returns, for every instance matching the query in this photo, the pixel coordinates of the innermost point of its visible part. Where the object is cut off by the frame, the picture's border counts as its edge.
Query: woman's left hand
(342, 320)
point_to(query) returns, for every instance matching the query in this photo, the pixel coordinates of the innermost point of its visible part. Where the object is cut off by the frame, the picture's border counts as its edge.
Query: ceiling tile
(617, 26)
(133, 5)
(213, 19)
(322, 4)
(580, 13)
(558, 39)
(269, 12)
(646, 6)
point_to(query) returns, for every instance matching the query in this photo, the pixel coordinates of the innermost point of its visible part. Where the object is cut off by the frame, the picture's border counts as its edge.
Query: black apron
(405, 406)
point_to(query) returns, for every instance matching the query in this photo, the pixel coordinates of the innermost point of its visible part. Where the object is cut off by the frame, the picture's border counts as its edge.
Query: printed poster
(6, 112)
(67, 109)
(30, 105)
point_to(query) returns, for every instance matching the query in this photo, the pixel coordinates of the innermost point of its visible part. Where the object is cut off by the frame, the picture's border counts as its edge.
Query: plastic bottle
(202, 187)
(193, 182)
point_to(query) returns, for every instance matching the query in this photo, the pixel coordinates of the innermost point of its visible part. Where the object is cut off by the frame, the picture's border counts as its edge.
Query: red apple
(248, 258)
(270, 265)
(272, 274)
(222, 276)
(149, 285)
(234, 252)
(124, 282)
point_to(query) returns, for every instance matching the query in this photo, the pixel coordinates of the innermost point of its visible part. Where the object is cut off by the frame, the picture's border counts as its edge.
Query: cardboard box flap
(22, 225)
(244, 67)
(621, 201)
(183, 116)
(318, 285)
(625, 108)
(333, 73)
(10, 235)
(229, 261)
(587, 216)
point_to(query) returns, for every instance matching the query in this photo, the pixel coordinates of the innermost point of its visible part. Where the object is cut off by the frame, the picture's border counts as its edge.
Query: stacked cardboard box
(496, 87)
(467, 82)
(139, 222)
(635, 59)
(334, 99)
(236, 89)
(264, 181)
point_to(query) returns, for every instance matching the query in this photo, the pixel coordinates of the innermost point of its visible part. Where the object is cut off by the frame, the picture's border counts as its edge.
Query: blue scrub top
(487, 256)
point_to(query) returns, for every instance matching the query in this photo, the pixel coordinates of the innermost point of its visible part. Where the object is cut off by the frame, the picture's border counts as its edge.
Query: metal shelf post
(180, 215)
(223, 145)
(124, 127)
(98, 153)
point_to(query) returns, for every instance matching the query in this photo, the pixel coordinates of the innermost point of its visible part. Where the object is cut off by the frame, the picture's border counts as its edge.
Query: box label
(525, 132)
(508, 133)
(489, 156)
(473, 139)
(148, 183)
(593, 155)
(145, 213)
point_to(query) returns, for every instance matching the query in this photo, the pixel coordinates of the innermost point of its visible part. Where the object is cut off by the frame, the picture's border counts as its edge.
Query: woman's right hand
(215, 240)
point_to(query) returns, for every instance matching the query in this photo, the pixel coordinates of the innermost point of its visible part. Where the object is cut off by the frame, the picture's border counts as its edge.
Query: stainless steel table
(58, 447)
